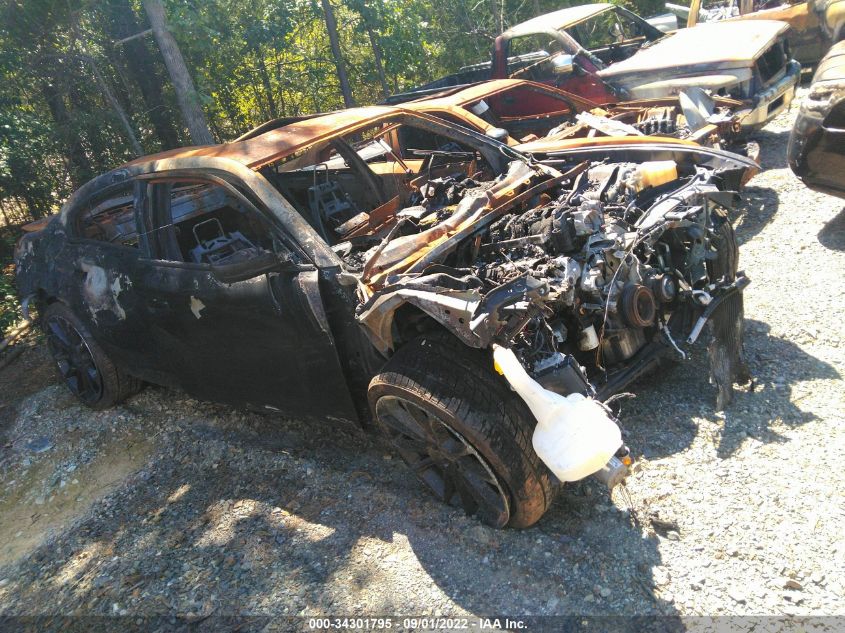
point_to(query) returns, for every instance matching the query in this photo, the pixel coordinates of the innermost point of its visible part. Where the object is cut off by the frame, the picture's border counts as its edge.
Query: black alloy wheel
(451, 468)
(74, 360)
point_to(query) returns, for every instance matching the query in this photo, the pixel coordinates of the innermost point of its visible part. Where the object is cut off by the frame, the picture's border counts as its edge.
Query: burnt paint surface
(817, 143)
(265, 342)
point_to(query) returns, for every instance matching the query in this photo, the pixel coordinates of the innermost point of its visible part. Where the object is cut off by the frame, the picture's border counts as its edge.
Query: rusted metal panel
(280, 143)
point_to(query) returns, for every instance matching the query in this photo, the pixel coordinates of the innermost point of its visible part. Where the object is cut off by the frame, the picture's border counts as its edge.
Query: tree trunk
(75, 153)
(186, 94)
(143, 69)
(5, 213)
(331, 27)
(268, 86)
(379, 66)
(137, 150)
(32, 207)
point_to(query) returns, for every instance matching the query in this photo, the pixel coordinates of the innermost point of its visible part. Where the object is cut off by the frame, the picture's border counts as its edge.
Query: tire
(81, 363)
(463, 431)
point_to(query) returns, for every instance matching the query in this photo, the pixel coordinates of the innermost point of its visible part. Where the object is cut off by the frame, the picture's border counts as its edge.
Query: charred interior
(587, 271)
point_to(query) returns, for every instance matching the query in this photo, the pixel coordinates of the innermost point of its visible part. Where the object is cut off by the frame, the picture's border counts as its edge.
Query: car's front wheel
(462, 431)
(82, 365)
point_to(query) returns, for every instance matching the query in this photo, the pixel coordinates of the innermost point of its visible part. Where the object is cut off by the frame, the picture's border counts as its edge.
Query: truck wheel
(82, 365)
(462, 431)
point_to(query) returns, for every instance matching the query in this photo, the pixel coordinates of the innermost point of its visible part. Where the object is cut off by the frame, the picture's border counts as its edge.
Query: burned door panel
(99, 266)
(106, 297)
(261, 342)
(256, 337)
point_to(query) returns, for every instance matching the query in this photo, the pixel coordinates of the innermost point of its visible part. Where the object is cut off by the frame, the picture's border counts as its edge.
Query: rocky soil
(170, 506)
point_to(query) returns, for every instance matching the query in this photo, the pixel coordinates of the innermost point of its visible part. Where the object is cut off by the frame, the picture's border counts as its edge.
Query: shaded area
(772, 147)
(28, 374)
(758, 208)
(832, 235)
(776, 365)
(243, 514)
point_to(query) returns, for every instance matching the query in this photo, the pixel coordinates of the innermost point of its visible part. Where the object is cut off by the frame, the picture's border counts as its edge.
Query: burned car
(529, 111)
(816, 150)
(814, 24)
(477, 305)
(517, 111)
(606, 54)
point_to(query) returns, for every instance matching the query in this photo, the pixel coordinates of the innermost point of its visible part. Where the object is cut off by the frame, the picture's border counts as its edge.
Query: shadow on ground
(772, 148)
(832, 235)
(239, 514)
(758, 208)
(661, 421)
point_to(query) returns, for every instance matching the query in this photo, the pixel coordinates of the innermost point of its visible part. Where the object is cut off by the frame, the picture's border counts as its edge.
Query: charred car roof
(557, 20)
(279, 143)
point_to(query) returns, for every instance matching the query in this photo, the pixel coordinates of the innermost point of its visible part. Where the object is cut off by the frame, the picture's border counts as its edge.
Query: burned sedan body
(476, 304)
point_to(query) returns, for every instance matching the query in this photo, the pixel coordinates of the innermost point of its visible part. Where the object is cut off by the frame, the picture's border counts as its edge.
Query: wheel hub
(74, 360)
(444, 460)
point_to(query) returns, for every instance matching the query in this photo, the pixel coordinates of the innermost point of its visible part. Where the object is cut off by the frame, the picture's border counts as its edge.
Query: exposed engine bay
(694, 116)
(589, 274)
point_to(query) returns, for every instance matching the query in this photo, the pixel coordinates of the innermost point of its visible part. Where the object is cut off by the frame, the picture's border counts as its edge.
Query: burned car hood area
(589, 270)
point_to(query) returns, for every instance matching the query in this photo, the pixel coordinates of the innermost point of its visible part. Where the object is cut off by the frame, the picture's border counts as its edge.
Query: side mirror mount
(497, 134)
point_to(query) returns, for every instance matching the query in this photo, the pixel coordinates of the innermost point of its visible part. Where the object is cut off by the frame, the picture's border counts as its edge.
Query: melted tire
(457, 385)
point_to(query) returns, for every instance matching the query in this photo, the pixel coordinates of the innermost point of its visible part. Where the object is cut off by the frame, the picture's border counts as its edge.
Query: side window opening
(533, 57)
(415, 141)
(339, 185)
(205, 223)
(611, 36)
(110, 217)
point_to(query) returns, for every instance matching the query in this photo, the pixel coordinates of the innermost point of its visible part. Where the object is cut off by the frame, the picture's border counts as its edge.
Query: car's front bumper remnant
(774, 99)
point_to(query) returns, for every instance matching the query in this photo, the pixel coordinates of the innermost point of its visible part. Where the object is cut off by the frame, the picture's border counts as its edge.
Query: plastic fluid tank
(574, 435)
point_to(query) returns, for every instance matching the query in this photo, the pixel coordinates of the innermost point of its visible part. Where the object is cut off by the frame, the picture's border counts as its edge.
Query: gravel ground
(171, 506)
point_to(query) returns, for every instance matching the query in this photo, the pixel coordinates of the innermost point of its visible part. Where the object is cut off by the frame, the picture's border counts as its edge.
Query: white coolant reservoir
(574, 435)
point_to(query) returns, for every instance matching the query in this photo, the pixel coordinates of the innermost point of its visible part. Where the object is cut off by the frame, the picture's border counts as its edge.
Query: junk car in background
(535, 114)
(606, 54)
(517, 112)
(475, 305)
(816, 148)
(815, 25)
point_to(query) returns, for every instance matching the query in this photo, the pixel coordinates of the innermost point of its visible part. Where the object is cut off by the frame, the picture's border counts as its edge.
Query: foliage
(9, 306)
(251, 60)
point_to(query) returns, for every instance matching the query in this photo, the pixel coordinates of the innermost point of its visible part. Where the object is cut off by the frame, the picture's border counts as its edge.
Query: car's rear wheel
(462, 431)
(82, 365)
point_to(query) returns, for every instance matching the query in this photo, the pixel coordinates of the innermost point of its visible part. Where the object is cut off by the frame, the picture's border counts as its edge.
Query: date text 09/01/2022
(425, 623)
